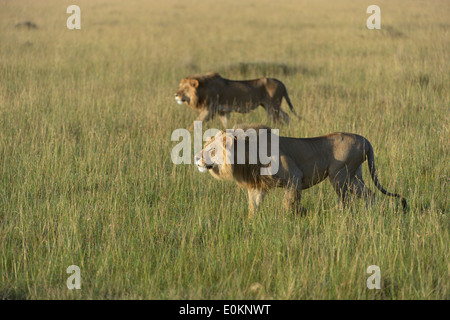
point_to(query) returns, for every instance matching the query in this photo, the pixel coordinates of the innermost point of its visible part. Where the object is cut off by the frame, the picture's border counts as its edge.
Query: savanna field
(86, 176)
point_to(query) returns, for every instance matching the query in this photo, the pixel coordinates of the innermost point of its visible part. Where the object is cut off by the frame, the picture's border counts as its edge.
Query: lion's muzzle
(202, 166)
(178, 99)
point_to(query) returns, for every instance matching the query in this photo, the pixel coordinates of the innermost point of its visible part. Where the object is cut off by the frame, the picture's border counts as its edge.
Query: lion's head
(233, 155)
(194, 89)
(187, 93)
(216, 156)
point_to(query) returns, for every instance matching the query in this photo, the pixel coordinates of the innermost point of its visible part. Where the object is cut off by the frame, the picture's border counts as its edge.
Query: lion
(302, 163)
(211, 94)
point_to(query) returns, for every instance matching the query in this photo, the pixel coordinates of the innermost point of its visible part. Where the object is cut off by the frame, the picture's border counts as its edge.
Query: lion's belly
(242, 107)
(308, 182)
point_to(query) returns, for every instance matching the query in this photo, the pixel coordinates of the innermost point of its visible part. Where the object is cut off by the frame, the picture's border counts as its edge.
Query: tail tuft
(404, 204)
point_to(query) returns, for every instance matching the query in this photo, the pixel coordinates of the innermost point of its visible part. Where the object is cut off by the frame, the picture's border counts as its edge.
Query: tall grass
(86, 177)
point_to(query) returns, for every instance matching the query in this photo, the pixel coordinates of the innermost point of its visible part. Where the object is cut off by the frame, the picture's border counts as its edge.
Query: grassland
(86, 176)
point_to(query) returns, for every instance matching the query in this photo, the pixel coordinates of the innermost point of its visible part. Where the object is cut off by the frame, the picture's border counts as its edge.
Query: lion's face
(187, 91)
(204, 160)
(215, 154)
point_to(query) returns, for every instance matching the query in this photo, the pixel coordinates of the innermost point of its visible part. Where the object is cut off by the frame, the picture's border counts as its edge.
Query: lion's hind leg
(358, 187)
(272, 113)
(275, 113)
(339, 179)
(285, 117)
(348, 184)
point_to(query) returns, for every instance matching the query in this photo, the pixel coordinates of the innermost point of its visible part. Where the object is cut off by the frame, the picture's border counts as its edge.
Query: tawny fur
(303, 163)
(212, 95)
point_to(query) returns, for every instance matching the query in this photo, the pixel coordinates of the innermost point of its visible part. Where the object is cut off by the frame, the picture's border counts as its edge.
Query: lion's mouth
(203, 167)
(178, 100)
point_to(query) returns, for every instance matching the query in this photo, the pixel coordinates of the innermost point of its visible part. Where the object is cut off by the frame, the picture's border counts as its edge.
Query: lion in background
(211, 94)
(303, 163)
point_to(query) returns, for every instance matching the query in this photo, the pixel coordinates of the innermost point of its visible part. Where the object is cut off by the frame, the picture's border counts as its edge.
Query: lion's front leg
(224, 117)
(255, 197)
(293, 184)
(291, 200)
(204, 115)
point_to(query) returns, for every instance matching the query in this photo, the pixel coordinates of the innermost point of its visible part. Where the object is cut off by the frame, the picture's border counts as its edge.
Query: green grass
(86, 176)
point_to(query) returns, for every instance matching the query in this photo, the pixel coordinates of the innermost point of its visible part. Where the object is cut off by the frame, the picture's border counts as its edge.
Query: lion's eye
(212, 151)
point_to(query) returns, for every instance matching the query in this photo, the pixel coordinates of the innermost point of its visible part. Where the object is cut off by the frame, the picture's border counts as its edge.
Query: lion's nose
(196, 158)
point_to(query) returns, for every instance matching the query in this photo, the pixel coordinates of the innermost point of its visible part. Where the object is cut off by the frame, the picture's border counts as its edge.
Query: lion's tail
(371, 163)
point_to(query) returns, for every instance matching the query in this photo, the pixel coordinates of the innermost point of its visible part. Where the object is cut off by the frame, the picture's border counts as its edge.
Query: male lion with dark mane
(211, 94)
(302, 163)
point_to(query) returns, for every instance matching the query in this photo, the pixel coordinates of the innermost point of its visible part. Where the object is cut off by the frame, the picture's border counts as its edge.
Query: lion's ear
(194, 83)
